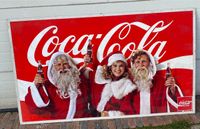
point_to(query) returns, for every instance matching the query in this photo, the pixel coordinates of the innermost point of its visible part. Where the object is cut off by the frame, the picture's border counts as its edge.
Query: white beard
(66, 81)
(144, 85)
(142, 78)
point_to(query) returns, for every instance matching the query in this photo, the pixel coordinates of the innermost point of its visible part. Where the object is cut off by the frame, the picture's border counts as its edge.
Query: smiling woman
(118, 70)
(115, 97)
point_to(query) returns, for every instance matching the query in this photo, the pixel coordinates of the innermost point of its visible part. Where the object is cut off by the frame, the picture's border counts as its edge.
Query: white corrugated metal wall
(34, 9)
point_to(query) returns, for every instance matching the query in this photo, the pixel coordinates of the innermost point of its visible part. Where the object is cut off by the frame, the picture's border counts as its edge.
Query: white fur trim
(145, 107)
(116, 57)
(98, 76)
(37, 97)
(118, 89)
(152, 63)
(50, 65)
(115, 113)
(122, 87)
(144, 85)
(129, 87)
(105, 97)
(170, 100)
(72, 105)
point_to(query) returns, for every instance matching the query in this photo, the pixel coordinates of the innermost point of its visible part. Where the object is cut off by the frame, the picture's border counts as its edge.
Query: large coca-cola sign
(123, 28)
(168, 36)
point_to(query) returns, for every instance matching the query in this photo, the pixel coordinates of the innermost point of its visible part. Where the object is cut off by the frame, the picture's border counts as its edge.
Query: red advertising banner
(116, 66)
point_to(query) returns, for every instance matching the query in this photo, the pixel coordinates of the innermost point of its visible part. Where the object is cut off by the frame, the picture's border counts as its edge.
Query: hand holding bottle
(88, 56)
(39, 77)
(170, 80)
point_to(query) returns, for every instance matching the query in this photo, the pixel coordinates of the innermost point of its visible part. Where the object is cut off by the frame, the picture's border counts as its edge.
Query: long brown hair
(107, 72)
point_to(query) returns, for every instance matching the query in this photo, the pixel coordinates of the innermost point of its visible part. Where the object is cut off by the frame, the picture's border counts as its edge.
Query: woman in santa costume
(155, 93)
(113, 76)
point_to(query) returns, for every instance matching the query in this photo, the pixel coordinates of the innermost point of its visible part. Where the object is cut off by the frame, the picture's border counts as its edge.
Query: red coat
(113, 96)
(122, 105)
(57, 108)
(158, 100)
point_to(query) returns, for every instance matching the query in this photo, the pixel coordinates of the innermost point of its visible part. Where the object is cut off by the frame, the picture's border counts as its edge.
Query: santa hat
(112, 57)
(152, 60)
(51, 62)
(108, 61)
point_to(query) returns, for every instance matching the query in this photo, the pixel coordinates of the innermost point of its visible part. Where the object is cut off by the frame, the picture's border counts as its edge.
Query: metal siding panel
(197, 49)
(197, 77)
(36, 3)
(8, 103)
(3, 25)
(91, 9)
(4, 36)
(7, 90)
(6, 63)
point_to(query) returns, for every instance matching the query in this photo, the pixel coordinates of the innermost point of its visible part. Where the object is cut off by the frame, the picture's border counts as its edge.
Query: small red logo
(184, 103)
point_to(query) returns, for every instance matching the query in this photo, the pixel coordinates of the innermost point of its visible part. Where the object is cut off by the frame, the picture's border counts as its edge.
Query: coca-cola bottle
(172, 87)
(168, 71)
(89, 51)
(40, 70)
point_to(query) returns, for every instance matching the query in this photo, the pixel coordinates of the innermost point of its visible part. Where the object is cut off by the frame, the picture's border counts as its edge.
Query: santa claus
(63, 95)
(115, 98)
(154, 94)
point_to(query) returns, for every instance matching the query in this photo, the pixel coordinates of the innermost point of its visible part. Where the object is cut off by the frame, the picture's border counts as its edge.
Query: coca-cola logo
(184, 103)
(124, 30)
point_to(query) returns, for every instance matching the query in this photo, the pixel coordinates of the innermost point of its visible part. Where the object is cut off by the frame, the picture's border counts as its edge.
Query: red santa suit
(44, 103)
(115, 97)
(157, 98)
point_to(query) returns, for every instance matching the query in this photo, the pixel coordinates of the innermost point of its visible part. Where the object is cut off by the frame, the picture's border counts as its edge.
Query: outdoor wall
(35, 9)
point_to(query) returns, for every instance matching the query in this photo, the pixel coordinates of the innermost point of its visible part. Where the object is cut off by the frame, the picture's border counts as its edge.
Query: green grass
(174, 125)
